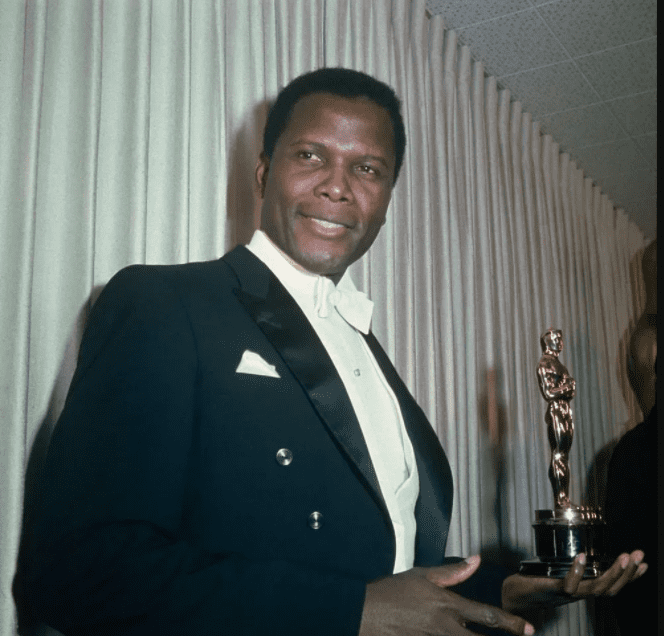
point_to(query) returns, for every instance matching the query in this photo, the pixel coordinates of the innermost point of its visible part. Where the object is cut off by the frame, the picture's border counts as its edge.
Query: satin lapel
(434, 505)
(281, 320)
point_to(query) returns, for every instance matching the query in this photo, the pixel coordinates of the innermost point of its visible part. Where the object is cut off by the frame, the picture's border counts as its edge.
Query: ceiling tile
(606, 160)
(528, 46)
(550, 89)
(648, 146)
(644, 214)
(513, 43)
(594, 25)
(637, 113)
(459, 13)
(622, 71)
(580, 127)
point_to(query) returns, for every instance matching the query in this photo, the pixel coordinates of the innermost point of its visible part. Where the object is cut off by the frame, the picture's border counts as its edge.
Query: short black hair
(337, 81)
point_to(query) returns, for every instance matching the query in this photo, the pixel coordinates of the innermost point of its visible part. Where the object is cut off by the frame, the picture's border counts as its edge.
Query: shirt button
(315, 520)
(356, 372)
(284, 456)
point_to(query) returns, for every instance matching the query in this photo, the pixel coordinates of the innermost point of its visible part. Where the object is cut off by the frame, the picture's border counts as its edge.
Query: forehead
(356, 119)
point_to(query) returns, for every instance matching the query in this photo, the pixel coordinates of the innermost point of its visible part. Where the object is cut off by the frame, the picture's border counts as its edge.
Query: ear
(262, 169)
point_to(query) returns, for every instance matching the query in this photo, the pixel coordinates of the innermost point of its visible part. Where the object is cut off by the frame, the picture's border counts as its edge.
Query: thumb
(453, 573)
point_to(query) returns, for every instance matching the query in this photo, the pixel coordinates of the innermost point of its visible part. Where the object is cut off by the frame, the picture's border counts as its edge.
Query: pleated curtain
(129, 134)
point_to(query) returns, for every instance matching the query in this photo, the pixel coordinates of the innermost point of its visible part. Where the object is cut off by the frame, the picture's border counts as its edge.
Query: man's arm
(110, 546)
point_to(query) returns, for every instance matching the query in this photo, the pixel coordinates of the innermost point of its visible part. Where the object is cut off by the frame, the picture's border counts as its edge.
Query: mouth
(326, 224)
(326, 227)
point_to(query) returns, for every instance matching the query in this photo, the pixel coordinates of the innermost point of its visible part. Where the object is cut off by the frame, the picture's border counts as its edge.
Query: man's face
(328, 184)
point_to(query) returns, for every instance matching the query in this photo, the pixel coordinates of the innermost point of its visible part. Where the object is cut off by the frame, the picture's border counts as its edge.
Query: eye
(368, 170)
(308, 156)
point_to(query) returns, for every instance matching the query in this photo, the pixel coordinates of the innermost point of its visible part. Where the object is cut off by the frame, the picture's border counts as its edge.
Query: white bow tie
(354, 306)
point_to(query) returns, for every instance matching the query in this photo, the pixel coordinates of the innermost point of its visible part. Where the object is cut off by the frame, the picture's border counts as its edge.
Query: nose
(334, 186)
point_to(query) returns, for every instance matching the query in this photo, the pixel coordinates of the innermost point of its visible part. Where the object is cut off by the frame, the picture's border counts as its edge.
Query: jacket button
(284, 456)
(315, 520)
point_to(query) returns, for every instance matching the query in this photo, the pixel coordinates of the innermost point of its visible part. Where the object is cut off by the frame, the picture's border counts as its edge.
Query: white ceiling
(587, 71)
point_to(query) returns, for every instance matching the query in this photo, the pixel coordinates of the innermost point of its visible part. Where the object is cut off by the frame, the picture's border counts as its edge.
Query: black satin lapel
(434, 505)
(281, 320)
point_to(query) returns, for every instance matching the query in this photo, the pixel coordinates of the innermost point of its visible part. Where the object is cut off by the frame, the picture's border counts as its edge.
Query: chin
(323, 267)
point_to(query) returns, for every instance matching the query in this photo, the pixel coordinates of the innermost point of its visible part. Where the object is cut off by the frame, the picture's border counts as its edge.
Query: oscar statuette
(568, 529)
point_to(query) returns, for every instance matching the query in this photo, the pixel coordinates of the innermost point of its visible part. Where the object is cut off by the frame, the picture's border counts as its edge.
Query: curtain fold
(130, 133)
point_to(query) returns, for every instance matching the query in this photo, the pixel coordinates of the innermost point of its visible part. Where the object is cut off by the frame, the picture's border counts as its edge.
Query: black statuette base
(560, 537)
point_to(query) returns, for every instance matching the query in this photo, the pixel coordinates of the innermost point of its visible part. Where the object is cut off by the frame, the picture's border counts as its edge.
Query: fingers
(574, 584)
(626, 568)
(409, 603)
(640, 571)
(575, 575)
(637, 558)
(453, 573)
(616, 577)
(632, 568)
(473, 612)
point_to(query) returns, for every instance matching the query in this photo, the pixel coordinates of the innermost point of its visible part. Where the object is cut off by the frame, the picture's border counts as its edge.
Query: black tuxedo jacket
(165, 509)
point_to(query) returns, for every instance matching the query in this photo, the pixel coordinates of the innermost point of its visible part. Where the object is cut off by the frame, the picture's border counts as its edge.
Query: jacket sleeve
(109, 552)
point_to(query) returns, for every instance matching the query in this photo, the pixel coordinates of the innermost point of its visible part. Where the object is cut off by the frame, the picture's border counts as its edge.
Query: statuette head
(552, 341)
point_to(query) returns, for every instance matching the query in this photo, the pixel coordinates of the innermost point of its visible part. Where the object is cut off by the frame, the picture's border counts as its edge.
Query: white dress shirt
(373, 400)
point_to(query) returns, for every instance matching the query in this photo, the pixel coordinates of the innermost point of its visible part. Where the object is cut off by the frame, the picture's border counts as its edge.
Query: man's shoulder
(141, 273)
(192, 276)
(156, 285)
(149, 281)
(157, 298)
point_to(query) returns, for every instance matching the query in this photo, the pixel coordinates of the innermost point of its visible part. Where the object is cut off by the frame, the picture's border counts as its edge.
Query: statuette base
(562, 534)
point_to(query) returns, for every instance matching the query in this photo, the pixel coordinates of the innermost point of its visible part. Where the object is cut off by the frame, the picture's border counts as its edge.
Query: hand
(523, 593)
(417, 602)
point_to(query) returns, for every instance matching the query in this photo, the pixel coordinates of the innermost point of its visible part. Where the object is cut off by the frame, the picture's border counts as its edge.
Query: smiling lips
(327, 228)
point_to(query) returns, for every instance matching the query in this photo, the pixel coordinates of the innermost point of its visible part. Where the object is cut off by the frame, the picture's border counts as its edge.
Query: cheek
(296, 181)
(291, 196)
(376, 211)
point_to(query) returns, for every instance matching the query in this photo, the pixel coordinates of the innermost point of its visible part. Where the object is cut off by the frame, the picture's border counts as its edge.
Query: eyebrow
(316, 144)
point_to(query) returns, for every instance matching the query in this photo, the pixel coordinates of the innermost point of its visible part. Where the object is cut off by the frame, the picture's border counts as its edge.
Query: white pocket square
(253, 364)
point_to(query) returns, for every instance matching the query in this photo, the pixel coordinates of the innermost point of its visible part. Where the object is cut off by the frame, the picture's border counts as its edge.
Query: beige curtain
(129, 132)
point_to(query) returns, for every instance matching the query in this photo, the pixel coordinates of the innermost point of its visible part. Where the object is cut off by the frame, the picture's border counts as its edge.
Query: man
(237, 454)
(630, 508)
(643, 342)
